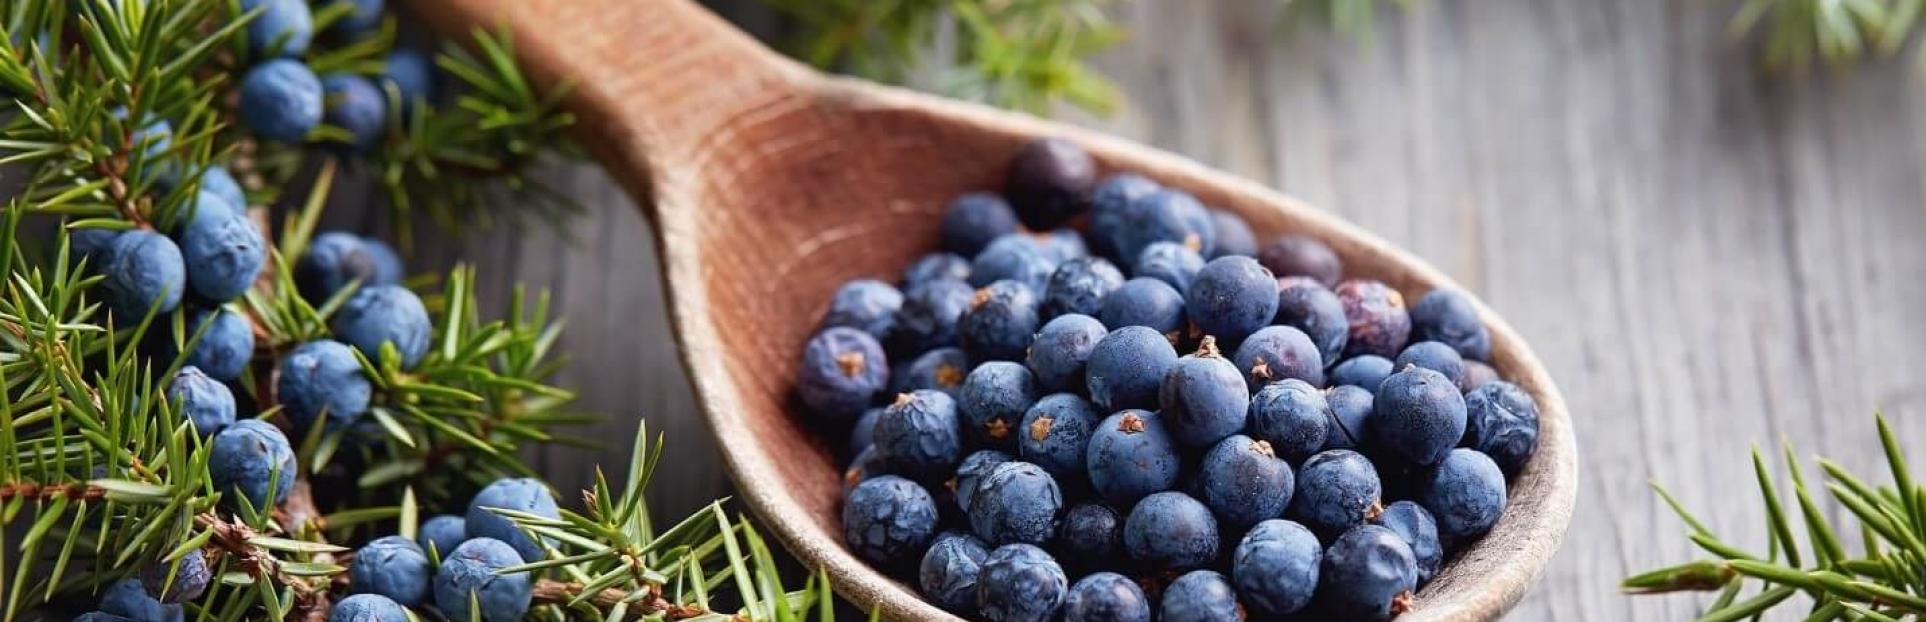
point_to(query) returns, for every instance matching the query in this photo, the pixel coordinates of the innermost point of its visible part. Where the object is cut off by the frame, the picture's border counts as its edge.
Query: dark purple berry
(1050, 181)
(1418, 415)
(864, 304)
(1109, 212)
(918, 435)
(1200, 596)
(1501, 420)
(1434, 356)
(887, 519)
(1465, 493)
(1276, 353)
(1351, 407)
(929, 316)
(1080, 286)
(1276, 566)
(973, 220)
(1336, 490)
(1244, 482)
(1171, 530)
(1368, 574)
(1000, 323)
(1091, 535)
(1379, 323)
(1309, 306)
(1364, 371)
(936, 266)
(1060, 355)
(1127, 368)
(1293, 417)
(1056, 434)
(1016, 502)
(842, 371)
(1231, 298)
(1415, 526)
(1297, 255)
(1106, 597)
(948, 573)
(1233, 235)
(1448, 316)
(1131, 455)
(1015, 257)
(1203, 397)
(993, 400)
(1169, 262)
(1020, 583)
(1145, 302)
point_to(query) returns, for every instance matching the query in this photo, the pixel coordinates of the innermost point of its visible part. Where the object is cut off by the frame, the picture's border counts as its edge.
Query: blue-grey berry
(323, 377)
(519, 494)
(246, 456)
(1276, 567)
(128, 599)
(888, 520)
(145, 271)
(202, 400)
(221, 250)
(442, 534)
(1020, 583)
(175, 581)
(384, 314)
(1200, 596)
(281, 98)
(368, 608)
(1106, 597)
(285, 28)
(949, 569)
(352, 102)
(472, 572)
(392, 566)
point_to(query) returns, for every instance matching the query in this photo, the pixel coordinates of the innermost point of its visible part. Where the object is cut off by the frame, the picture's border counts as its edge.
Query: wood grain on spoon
(770, 184)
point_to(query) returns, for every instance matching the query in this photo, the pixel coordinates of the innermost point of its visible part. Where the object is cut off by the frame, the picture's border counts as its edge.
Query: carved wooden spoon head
(769, 185)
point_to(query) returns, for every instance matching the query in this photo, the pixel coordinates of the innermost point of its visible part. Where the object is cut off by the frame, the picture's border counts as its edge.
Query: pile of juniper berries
(1102, 400)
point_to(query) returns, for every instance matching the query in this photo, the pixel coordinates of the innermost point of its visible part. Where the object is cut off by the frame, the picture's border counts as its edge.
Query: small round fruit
(1106, 597)
(1055, 435)
(1418, 415)
(473, 572)
(1171, 530)
(1447, 316)
(1501, 420)
(1368, 574)
(1297, 255)
(334, 259)
(1145, 302)
(1336, 490)
(1309, 306)
(936, 266)
(145, 270)
(1170, 262)
(1379, 323)
(1293, 417)
(1130, 456)
(942, 369)
(1110, 207)
(281, 98)
(1350, 414)
(993, 400)
(127, 599)
(1000, 323)
(1465, 494)
(520, 494)
(1079, 286)
(842, 371)
(1014, 257)
(368, 608)
(202, 400)
(1016, 502)
(246, 456)
(949, 570)
(1020, 583)
(385, 314)
(285, 27)
(1200, 596)
(867, 305)
(1091, 535)
(1365, 371)
(176, 581)
(1478, 374)
(352, 102)
(1233, 235)
(1276, 353)
(221, 250)
(1060, 355)
(1204, 398)
(1127, 368)
(1164, 215)
(1436, 357)
(1049, 182)
(1415, 526)
(930, 314)
(1231, 298)
(888, 520)
(973, 468)
(392, 566)
(1276, 567)
(919, 435)
(412, 75)
(226, 345)
(323, 377)
(1243, 482)
(442, 534)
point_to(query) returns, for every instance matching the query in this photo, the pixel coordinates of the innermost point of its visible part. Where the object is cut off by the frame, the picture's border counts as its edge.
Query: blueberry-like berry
(1244, 482)
(1049, 182)
(1014, 257)
(919, 434)
(974, 466)
(867, 305)
(1233, 236)
(392, 566)
(334, 259)
(364, 17)
(942, 369)
(1062, 245)
(281, 98)
(1020, 583)
(1415, 526)
(993, 400)
(1000, 323)
(442, 534)
(387, 314)
(1171, 530)
(221, 250)
(842, 371)
(949, 570)
(1434, 356)
(226, 345)
(973, 220)
(1106, 597)
(94, 245)
(1231, 298)
(1170, 262)
(1061, 353)
(868, 463)
(145, 271)
(352, 102)
(1145, 302)
(1164, 215)
(1418, 415)
(937, 266)
(1501, 420)
(1200, 596)
(202, 400)
(127, 599)
(1016, 502)
(1110, 206)
(1478, 374)
(1307, 305)
(1336, 490)
(1364, 371)
(1368, 574)
(1293, 417)
(1297, 255)
(1079, 286)
(246, 456)
(320, 377)
(1276, 353)
(1091, 535)
(1447, 316)
(1130, 456)
(1465, 494)
(888, 520)
(1379, 323)
(1351, 408)
(930, 315)
(285, 28)
(519, 494)
(1127, 368)
(176, 581)
(472, 571)
(411, 74)
(1203, 397)
(1276, 567)
(214, 180)
(1055, 435)
(368, 608)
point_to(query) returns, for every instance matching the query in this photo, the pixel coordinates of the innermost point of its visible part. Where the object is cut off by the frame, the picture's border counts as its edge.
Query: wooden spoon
(769, 184)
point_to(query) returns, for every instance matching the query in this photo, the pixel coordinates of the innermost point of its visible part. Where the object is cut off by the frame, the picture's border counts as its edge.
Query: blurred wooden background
(1704, 256)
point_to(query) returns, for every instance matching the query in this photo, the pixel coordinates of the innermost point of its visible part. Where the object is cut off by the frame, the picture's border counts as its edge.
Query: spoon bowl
(770, 184)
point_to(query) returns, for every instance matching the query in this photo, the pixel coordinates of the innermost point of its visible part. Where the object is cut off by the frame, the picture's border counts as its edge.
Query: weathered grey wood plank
(1705, 258)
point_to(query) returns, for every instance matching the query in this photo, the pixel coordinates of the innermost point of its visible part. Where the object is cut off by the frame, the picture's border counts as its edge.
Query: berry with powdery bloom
(1001, 322)
(1145, 302)
(1169, 262)
(867, 305)
(246, 456)
(1164, 215)
(887, 519)
(352, 102)
(1276, 567)
(473, 571)
(368, 608)
(285, 27)
(1204, 398)
(221, 250)
(144, 271)
(1502, 421)
(385, 314)
(519, 494)
(1110, 206)
(973, 220)
(1200, 596)
(1171, 530)
(929, 316)
(281, 99)
(323, 377)
(176, 581)
(1079, 286)
(949, 570)
(993, 400)
(1020, 583)
(1465, 494)
(128, 599)
(1061, 352)
(226, 345)
(1294, 417)
(1056, 434)
(202, 400)
(392, 566)
(1015, 257)
(1309, 306)
(411, 74)
(1297, 255)
(1418, 415)
(442, 534)
(1231, 298)
(936, 266)
(1106, 597)
(1127, 368)
(1367, 574)
(1276, 353)
(334, 259)
(1016, 502)
(1448, 316)
(1243, 482)
(918, 435)
(942, 369)
(974, 467)
(1336, 490)
(1234, 236)
(842, 370)
(1131, 455)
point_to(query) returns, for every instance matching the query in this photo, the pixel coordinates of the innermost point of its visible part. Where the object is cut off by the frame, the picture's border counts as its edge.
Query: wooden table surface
(1704, 257)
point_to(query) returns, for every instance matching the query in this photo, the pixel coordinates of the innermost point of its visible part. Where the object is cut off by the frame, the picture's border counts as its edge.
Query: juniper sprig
(1884, 580)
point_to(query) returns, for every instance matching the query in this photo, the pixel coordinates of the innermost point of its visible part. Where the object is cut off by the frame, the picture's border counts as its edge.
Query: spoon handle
(652, 81)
